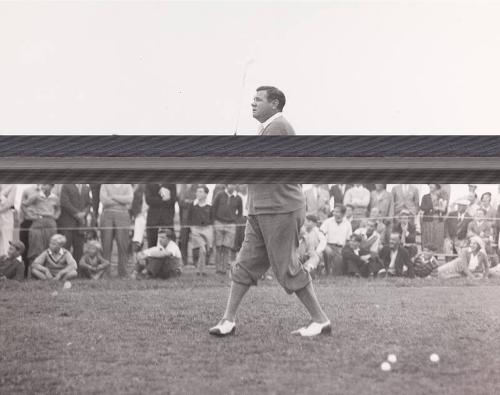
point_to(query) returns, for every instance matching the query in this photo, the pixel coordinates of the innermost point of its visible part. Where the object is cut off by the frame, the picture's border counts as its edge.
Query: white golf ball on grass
(67, 285)
(392, 358)
(385, 366)
(434, 358)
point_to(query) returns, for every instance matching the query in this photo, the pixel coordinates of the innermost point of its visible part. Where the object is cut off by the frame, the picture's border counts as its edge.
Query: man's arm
(127, 197)
(153, 198)
(10, 198)
(39, 261)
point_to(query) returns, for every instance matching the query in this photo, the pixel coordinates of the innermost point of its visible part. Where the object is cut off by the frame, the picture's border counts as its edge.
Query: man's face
(46, 188)
(370, 228)
(404, 219)
(374, 212)
(262, 109)
(308, 224)
(348, 212)
(354, 244)
(231, 188)
(12, 252)
(427, 253)
(200, 194)
(379, 187)
(486, 199)
(92, 250)
(394, 241)
(337, 214)
(54, 246)
(479, 215)
(163, 240)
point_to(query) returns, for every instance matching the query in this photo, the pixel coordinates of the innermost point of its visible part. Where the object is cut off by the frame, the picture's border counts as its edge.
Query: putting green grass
(124, 336)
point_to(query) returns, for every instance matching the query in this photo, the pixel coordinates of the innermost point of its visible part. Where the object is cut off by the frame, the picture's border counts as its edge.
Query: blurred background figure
(7, 200)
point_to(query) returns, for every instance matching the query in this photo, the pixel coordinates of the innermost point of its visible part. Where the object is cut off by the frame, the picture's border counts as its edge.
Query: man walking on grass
(276, 213)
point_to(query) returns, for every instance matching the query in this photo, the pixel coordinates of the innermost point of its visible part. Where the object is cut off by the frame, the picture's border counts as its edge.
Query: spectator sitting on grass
(396, 259)
(312, 244)
(11, 265)
(161, 261)
(356, 262)
(55, 263)
(93, 265)
(425, 263)
(471, 263)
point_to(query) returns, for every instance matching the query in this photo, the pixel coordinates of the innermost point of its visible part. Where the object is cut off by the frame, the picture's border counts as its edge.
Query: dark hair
(312, 218)
(274, 93)
(486, 193)
(357, 238)
(204, 187)
(341, 207)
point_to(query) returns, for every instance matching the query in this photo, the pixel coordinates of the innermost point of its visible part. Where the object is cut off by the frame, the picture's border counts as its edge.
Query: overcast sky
(177, 68)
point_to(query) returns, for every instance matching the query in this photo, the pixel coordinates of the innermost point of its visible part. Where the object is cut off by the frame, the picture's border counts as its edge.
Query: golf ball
(392, 358)
(434, 358)
(67, 285)
(385, 366)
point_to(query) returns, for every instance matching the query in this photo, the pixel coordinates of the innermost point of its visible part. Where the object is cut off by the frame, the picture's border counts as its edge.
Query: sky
(165, 68)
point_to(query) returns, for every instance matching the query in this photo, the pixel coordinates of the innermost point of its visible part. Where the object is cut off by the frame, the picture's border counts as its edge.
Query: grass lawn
(124, 336)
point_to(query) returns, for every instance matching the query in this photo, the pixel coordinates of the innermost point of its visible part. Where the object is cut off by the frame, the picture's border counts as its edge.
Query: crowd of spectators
(362, 230)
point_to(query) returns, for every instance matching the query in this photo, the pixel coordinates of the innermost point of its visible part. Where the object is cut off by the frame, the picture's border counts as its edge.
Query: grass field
(151, 337)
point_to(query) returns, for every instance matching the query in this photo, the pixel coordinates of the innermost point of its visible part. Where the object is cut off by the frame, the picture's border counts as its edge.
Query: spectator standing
(434, 207)
(405, 196)
(27, 216)
(75, 207)
(318, 202)
(186, 196)
(45, 209)
(383, 200)
(337, 230)
(116, 200)
(200, 221)
(227, 212)
(138, 213)
(95, 194)
(160, 199)
(7, 198)
(358, 197)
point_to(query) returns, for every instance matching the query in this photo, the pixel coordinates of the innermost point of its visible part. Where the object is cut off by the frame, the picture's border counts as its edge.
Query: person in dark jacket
(395, 259)
(356, 262)
(161, 201)
(75, 206)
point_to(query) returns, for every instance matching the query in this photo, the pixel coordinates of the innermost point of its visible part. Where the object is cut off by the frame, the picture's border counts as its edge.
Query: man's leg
(122, 222)
(309, 299)
(236, 295)
(106, 223)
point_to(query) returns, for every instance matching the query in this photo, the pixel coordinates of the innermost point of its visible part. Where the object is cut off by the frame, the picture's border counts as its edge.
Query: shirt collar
(265, 124)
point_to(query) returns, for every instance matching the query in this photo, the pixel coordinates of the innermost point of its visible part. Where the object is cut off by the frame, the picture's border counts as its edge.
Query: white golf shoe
(223, 328)
(314, 329)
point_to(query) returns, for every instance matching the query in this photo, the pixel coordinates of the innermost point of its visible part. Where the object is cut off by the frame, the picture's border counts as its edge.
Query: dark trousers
(24, 236)
(74, 242)
(184, 234)
(157, 218)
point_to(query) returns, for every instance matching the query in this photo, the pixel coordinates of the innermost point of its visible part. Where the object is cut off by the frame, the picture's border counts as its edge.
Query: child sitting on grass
(55, 263)
(11, 265)
(312, 244)
(93, 265)
(425, 262)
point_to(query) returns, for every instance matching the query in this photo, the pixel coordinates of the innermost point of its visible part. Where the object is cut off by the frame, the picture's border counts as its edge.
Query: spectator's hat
(312, 218)
(404, 212)
(18, 245)
(463, 202)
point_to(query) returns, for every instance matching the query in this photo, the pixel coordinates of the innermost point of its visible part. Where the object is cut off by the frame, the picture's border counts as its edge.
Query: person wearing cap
(472, 262)
(434, 207)
(92, 265)
(55, 263)
(11, 264)
(312, 244)
(455, 229)
(161, 261)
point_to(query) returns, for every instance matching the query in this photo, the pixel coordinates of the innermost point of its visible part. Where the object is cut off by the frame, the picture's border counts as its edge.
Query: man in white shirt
(337, 230)
(161, 261)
